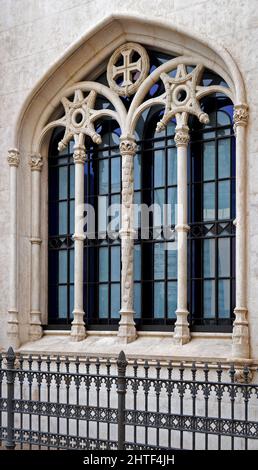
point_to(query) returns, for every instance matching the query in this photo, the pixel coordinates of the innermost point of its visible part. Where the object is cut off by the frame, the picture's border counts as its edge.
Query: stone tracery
(181, 98)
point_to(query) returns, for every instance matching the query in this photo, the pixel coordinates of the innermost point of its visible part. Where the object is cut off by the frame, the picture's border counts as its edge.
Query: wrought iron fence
(66, 403)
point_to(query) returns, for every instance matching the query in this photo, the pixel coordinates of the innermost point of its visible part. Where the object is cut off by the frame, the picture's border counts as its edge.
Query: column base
(35, 329)
(126, 331)
(13, 329)
(78, 332)
(240, 335)
(181, 331)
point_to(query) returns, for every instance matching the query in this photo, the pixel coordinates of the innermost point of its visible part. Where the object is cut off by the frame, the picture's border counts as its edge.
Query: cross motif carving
(129, 84)
(127, 68)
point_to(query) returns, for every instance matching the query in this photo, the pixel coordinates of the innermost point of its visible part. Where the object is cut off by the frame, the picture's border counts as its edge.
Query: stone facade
(36, 73)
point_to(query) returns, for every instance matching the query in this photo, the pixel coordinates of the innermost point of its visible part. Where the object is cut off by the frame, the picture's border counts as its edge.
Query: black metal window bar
(61, 403)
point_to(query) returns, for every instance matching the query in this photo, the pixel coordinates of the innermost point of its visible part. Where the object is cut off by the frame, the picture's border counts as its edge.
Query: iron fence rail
(54, 403)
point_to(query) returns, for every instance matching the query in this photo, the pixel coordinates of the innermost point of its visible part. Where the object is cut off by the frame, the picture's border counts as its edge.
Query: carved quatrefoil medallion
(127, 68)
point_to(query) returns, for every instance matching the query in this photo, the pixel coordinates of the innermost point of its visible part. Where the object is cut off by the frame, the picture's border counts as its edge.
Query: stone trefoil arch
(183, 92)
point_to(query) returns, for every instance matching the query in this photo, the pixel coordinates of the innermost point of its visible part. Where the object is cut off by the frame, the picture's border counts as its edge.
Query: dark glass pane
(72, 181)
(63, 182)
(224, 157)
(71, 301)
(209, 299)
(115, 263)
(172, 166)
(209, 258)
(115, 301)
(72, 214)
(137, 172)
(159, 261)
(62, 217)
(224, 200)
(137, 262)
(63, 267)
(209, 160)
(159, 297)
(159, 199)
(103, 176)
(172, 299)
(115, 175)
(224, 298)
(224, 257)
(171, 259)
(223, 119)
(159, 168)
(103, 301)
(137, 299)
(208, 201)
(172, 200)
(71, 265)
(103, 264)
(62, 301)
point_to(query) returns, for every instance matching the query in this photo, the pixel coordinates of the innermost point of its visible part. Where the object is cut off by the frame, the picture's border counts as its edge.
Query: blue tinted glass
(62, 217)
(224, 158)
(209, 258)
(103, 264)
(63, 182)
(159, 261)
(159, 168)
(115, 175)
(72, 181)
(209, 299)
(159, 298)
(103, 176)
(172, 299)
(103, 301)
(224, 298)
(71, 301)
(115, 301)
(172, 166)
(62, 301)
(114, 141)
(71, 265)
(172, 259)
(158, 210)
(172, 200)
(102, 213)
(171, 127)
(224, 257)
(137, 262)
(137, 172)
(105, 143)
(63, 267)
(208, 201)
(71, 217)
(208, 135)
(208, 161)
(137, 209)
(224, 200)
(223, 119)
(137, 299)
(115, 213)
(115, 263)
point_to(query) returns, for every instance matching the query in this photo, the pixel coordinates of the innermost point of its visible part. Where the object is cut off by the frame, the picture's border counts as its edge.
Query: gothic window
(210, 189)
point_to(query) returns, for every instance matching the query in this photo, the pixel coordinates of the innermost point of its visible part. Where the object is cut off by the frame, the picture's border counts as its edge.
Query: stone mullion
(127, 330)
(35, 328)
(78, 332)
(13, 321)
(240, 338)
(182, 332)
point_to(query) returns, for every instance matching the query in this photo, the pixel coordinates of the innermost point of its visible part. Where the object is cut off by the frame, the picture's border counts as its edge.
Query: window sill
(210, 347)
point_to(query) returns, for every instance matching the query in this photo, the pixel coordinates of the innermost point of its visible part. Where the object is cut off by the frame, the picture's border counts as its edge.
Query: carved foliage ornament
(241, 115)
(127, 68)
(13, 157)
(36, 162)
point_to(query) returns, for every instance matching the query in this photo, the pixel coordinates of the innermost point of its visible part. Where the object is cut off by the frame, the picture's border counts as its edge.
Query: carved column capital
(182, 136)
(79, 155)
(36, 162)
(13, 157)
(128, 146)
(241, 115)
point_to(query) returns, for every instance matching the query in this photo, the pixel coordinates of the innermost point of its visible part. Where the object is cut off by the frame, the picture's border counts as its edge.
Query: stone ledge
(203, 347)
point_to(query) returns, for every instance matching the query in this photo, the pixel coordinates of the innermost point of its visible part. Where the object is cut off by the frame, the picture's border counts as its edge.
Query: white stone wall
(35, 33)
